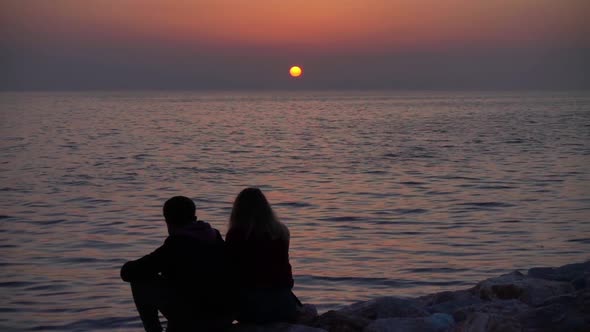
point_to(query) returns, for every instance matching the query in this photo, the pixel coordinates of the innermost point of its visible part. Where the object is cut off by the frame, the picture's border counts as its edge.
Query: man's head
(179, 210)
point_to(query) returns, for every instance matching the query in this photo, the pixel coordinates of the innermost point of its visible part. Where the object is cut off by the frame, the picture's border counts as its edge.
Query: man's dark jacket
(192, 262)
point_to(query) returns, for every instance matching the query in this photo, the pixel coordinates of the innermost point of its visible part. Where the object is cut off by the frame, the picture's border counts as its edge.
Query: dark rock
(485, 322)
(552, 317)
(286, 327)
(306, 314)
(515, 285)
(570, 312)
(583, 301)
(433, 323)
(505, 308)
(386, 307)
(568, 272)
(581, 282)
(577, 299)
(449, 301)
(335, 321)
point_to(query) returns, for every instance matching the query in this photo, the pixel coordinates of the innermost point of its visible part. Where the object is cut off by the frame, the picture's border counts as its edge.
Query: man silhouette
(185, 278)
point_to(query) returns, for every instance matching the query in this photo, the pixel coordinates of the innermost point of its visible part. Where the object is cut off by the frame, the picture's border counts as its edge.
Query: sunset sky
(239, 44)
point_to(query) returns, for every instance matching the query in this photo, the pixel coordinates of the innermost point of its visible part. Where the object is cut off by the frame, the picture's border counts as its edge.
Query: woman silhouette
(258, 247)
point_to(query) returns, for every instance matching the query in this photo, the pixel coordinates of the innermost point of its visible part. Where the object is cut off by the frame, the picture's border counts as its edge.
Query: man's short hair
(179, 210)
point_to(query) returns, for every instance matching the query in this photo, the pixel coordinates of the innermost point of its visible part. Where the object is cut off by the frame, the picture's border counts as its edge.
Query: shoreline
(541, 299)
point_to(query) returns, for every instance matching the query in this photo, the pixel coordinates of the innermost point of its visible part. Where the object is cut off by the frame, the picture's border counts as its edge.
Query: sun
(295, 71)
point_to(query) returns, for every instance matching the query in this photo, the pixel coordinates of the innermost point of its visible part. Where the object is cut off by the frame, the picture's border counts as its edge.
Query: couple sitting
(201, 283)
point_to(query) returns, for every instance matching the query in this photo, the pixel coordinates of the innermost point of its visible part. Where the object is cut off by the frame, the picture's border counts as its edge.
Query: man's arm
(144, 268)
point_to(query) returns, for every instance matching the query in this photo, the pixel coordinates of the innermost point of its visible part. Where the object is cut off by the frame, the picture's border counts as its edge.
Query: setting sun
(295, 71)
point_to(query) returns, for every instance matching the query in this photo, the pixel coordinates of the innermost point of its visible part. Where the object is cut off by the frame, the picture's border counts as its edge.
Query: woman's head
(252, 215)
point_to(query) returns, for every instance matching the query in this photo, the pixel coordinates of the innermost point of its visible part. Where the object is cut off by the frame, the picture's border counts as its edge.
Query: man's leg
(149, 297)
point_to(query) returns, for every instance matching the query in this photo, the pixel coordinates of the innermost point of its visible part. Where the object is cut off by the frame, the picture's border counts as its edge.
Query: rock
(485, 322)
(582, 282)
(498, 307)
(448, 296)
(340, 322)
(286, 327)
(543, 300)
(448, 302)
(580, 300)
(515, 285)
(583, 301)
(568, 272)
(433, 323)
(569, 312)
(386, 307)
(306, 314)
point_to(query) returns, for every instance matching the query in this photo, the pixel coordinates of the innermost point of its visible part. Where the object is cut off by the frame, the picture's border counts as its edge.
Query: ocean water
(385, 193)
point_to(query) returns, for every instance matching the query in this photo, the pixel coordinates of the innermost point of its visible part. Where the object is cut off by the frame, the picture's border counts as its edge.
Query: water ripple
(384, 193)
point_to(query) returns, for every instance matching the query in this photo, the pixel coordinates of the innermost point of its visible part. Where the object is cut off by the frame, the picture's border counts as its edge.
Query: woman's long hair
(253, 216)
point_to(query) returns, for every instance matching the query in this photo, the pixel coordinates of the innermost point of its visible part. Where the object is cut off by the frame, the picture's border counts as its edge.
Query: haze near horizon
(230, 44)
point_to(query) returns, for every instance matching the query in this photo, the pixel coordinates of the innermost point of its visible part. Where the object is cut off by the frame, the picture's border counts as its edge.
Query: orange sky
(232, 44)
(342, 25)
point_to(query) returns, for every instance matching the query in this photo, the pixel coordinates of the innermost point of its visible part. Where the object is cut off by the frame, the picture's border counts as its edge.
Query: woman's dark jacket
(259, 261)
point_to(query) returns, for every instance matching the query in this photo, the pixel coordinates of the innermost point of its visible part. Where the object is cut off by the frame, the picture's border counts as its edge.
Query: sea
(385, 193)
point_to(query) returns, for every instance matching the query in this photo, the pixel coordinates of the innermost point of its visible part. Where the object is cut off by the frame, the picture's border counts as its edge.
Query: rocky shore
(540, 300)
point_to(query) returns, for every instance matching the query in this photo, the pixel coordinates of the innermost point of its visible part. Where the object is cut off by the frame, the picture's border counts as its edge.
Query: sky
(250, 44)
